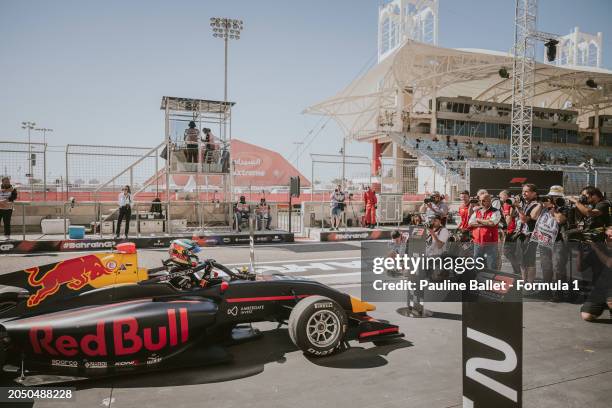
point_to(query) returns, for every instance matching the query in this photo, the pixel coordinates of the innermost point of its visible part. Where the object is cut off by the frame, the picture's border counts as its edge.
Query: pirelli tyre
(317, 325)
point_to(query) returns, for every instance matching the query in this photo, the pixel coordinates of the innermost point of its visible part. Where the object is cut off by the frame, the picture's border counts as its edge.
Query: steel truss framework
(523, 83)
(424, 72)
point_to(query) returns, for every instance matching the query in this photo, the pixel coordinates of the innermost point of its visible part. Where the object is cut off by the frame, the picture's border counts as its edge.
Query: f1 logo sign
(492, 354)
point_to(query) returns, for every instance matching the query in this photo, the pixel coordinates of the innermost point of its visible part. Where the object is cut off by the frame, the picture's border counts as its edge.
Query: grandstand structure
(451, 109)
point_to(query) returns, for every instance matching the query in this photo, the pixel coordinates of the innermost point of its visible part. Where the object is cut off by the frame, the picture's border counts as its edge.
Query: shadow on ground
(247, 359)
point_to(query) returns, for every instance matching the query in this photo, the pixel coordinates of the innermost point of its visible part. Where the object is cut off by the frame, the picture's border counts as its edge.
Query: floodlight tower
(523, 79)
(226, 29)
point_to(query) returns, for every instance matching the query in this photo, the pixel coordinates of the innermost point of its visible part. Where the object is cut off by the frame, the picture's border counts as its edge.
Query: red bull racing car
(101, 314)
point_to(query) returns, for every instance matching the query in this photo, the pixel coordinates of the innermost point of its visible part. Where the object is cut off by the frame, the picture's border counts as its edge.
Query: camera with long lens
(428, 225)
(429, 199)
(557, 201)
(584, 200)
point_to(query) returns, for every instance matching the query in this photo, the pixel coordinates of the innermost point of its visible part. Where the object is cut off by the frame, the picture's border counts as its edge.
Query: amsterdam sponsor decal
(244, 310)
(74, 273)
(128, 337)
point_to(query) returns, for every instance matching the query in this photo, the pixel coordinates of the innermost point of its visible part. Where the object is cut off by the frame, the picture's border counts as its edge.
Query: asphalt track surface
(567, 362)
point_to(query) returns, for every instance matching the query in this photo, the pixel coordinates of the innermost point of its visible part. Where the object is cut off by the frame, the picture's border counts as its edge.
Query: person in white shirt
(192, 135)
(125, 210)
(337, 207)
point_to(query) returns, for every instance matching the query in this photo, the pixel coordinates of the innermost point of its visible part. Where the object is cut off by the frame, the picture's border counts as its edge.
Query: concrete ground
(567, 362)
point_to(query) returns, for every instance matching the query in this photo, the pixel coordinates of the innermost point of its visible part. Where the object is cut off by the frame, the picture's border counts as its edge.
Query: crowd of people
(521, 227)
(193, 140)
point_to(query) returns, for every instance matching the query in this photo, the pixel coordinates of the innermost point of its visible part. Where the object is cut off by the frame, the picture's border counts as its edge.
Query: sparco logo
(87, 245)
(6, 247)
(64, 363)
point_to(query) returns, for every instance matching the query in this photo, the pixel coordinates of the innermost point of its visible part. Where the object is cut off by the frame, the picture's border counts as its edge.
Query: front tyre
(317, 325)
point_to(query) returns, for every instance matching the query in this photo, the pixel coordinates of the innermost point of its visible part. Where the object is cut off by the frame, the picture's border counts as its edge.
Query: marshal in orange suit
(370, 201)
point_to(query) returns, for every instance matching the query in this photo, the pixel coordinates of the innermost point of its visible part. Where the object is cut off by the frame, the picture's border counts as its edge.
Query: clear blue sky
(95, 71)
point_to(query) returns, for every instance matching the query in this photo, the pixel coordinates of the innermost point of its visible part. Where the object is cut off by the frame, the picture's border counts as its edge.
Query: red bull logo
(129, 337)
(74, 273)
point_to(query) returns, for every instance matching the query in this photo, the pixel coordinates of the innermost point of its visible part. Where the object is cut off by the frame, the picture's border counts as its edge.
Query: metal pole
(131, 177)
(312, 185)
(99, 216)
(67, 146)
(45, 171)
(290, 212)
(252, 244)
(64, 217)
(30, 178)
(225, 80)
(23, 224)
(343, 159)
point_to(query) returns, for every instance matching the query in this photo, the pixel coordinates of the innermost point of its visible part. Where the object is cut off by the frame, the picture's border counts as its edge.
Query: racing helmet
(183, 252)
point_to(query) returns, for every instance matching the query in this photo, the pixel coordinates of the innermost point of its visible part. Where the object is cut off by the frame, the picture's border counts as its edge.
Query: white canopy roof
(421, 69)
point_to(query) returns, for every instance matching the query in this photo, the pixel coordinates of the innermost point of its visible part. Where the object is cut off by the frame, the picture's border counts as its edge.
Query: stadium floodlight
(551, 49)
(503, 72)
(227, 29)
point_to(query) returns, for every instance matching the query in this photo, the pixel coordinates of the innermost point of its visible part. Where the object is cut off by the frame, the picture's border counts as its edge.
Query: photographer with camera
(548, 233)
(337, 207)
(600, 297)
(437, 237)
(508, 224)
(434, 206)
(528, 209)
(485, 234)
(593, 207)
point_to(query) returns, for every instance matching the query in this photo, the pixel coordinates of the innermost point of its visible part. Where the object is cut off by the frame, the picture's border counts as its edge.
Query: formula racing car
(101, 314)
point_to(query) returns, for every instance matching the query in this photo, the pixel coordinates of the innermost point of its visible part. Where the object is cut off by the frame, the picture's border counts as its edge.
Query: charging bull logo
(129, 336)
(74, 273)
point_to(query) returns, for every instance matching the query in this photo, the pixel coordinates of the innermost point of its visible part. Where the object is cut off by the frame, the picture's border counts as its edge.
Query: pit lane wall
(101, 244)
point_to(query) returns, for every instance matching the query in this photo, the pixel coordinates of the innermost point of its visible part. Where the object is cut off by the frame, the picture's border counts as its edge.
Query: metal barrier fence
(26, 165)
(95, 169)
(35, 219)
